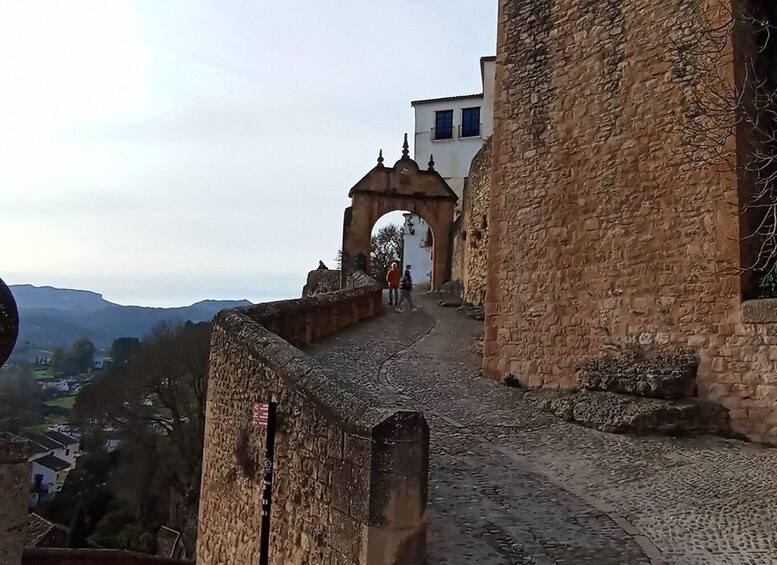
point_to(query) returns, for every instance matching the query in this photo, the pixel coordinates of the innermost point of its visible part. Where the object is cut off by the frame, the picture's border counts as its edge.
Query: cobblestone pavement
(512, 484)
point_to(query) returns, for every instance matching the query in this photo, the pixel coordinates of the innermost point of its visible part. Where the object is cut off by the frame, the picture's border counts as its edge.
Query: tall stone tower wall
(601, 231)
(15, 488)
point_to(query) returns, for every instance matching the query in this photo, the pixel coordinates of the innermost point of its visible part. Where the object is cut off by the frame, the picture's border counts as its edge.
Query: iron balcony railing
(460, 132)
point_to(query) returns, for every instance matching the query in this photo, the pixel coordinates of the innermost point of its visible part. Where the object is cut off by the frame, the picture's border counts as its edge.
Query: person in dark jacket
(406, 291)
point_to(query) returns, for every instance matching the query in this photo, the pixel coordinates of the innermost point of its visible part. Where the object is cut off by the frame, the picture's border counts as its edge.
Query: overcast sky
(164, 152)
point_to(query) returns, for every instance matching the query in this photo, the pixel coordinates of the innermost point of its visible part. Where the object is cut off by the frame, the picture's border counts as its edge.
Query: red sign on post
(261, 413)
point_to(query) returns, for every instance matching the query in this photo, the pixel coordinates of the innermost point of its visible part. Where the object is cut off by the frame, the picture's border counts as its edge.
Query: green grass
(46, 373)
(63, 402)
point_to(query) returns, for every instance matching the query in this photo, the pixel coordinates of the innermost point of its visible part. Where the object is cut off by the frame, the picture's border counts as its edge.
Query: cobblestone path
(511, 484)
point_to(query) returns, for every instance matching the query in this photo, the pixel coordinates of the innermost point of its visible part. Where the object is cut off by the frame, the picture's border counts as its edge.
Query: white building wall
(417, 255)
(68, 453)
(487, 112)
(49, 476)
(451, 156)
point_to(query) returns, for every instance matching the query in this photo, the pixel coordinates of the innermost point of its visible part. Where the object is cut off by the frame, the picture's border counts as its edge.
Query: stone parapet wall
(42, 556)
(601, 230)
(350, 476)
(14, 488)
(321, 281)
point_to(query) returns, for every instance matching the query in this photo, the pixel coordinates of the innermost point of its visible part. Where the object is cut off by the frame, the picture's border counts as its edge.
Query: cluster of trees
(123, 348)
(387, 246)
(78, 358)
(152, 401)
(21, 401)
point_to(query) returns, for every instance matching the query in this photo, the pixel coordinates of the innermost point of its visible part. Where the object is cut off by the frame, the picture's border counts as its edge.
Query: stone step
(625, 414)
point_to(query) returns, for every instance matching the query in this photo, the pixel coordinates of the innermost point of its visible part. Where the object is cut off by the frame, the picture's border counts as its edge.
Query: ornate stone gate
(401, 187)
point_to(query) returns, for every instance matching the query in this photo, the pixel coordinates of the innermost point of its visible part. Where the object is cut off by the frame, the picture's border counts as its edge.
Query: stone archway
(401, 187)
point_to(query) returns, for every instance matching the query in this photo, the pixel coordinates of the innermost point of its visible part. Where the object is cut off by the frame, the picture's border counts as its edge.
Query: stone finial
(380, 158)
(405, 148)
(431, 162)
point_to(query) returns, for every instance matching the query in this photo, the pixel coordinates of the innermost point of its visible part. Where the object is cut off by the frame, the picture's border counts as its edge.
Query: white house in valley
(52, 454)
(54, 443)
(48, 474)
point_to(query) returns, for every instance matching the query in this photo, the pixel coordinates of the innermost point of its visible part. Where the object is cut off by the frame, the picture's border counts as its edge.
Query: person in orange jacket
(392, 278)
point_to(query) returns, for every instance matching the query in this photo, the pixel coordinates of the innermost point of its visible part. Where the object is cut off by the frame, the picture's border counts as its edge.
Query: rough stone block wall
(350, 478)
(15, 489)
(470, 232)
(458, 245)
(320, 281)
(475, 211)
(601, 231)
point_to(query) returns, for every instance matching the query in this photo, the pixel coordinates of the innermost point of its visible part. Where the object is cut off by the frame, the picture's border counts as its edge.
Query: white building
(68, 446)
(52, 455)
(452, 129)
(417, 254)
(62, 386)
(48, 474)
(54, 444)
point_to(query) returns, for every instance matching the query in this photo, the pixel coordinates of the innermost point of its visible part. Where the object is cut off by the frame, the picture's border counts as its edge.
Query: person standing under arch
(392, 279)
(406, 291)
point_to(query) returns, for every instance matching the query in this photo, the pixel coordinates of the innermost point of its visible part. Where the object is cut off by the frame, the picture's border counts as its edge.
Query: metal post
(264, 549)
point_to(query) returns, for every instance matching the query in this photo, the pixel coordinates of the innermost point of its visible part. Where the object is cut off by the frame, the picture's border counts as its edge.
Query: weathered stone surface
(473, 312)
(632, 371)
(453, 287)
(761, 311)
(321, 281)
(602, 228)
(334, 500)
(360, 279)
(621, 413)
(512, 484)
(14, 486)
(470, 234)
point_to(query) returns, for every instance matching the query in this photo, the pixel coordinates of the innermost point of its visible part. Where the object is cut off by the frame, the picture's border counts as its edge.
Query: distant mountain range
(58, 316)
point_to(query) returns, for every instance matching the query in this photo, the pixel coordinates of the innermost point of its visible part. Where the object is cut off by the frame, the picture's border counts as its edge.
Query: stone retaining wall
(320, 281)
(602, 230)
(350, 477)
